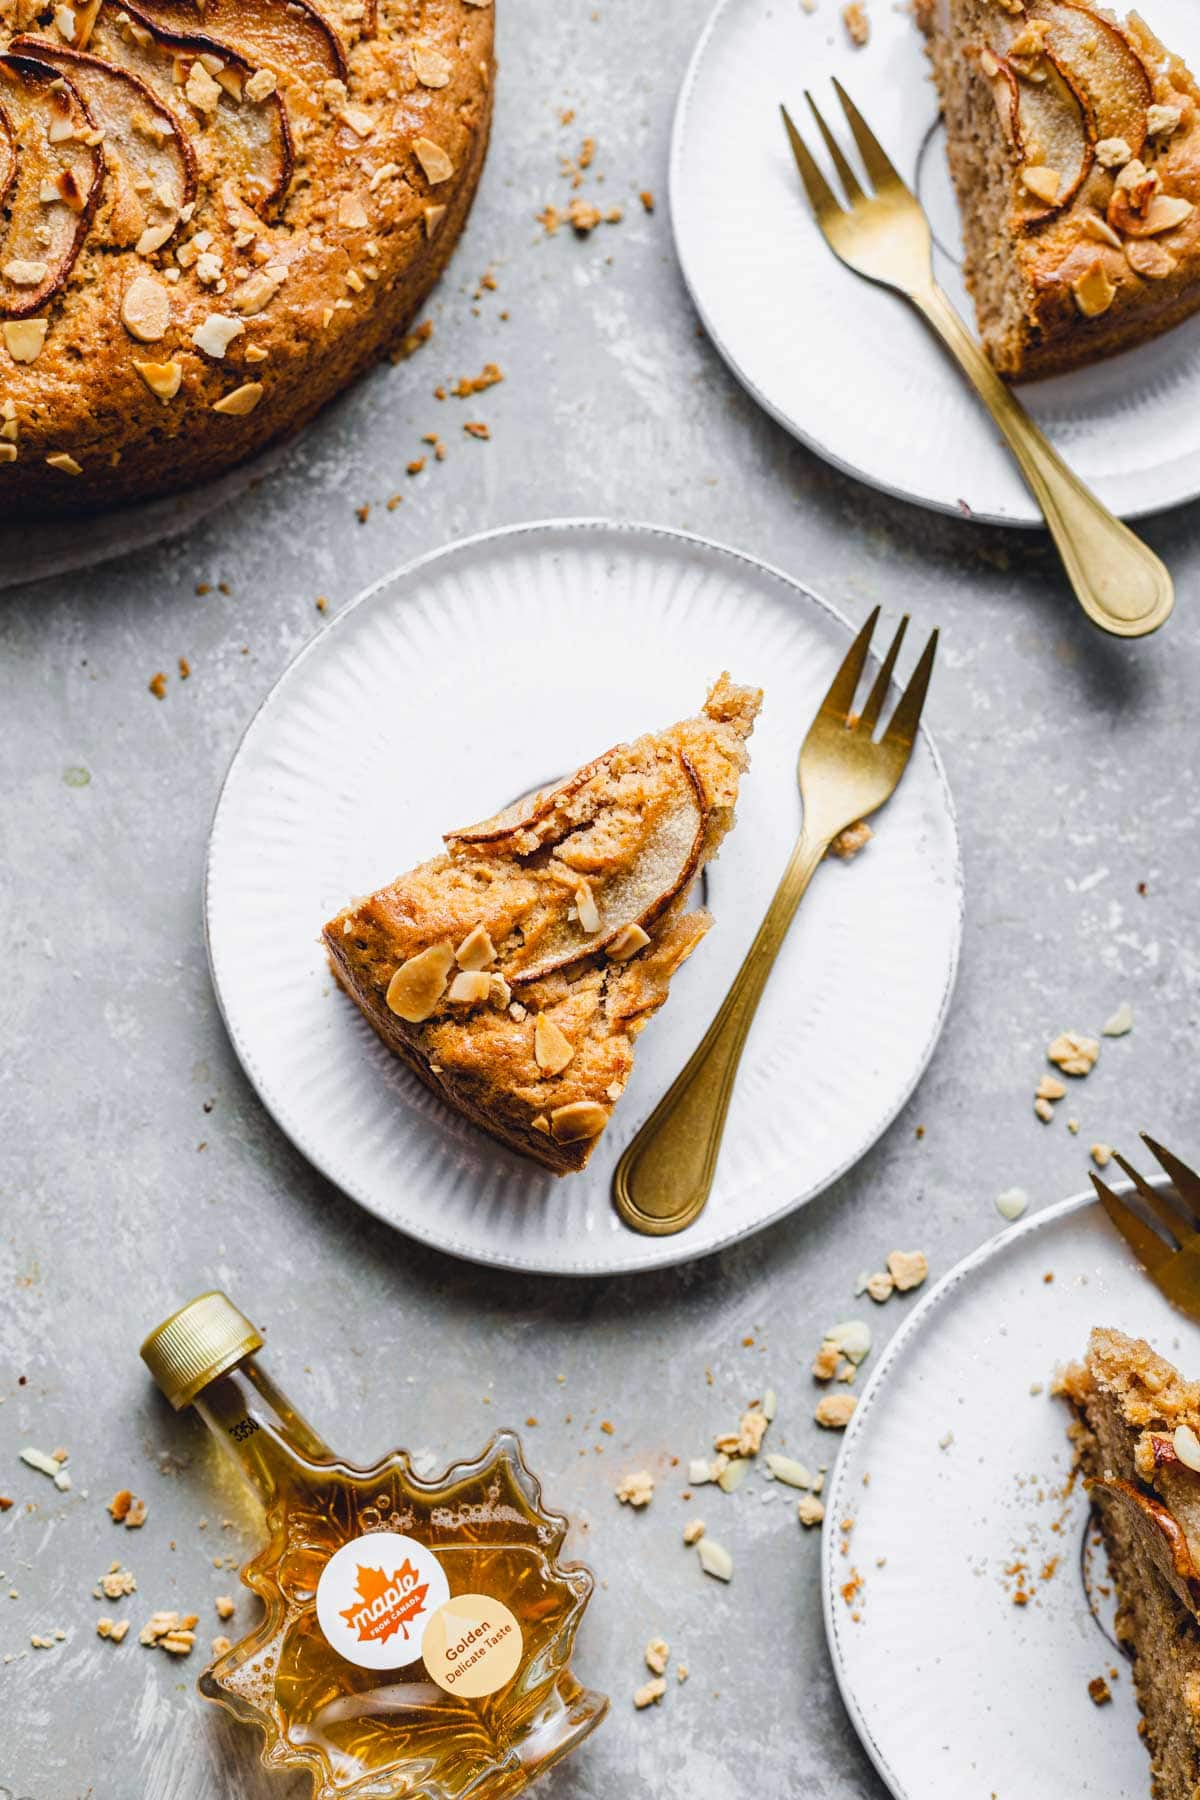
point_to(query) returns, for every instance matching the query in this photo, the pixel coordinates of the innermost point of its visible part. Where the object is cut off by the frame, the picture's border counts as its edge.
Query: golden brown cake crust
(292, 297)
(550, 935)
(1056, 284)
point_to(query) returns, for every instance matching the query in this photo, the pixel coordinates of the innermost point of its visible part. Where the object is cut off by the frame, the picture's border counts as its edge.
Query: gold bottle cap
(196, 1344)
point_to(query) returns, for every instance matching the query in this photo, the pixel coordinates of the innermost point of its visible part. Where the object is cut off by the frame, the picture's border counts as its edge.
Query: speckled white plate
(847, 366)
(954, 1690)
(467, 679)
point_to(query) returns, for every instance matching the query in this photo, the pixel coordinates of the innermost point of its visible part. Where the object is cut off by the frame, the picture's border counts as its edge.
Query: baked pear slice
(145, 151)
(291, 37)
(53, 188)
(513, 972)
(1074, 144)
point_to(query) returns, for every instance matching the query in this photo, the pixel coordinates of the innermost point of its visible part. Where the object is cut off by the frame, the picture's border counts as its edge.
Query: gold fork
(1120, 583)
(662, 1182)
(1168, 1250)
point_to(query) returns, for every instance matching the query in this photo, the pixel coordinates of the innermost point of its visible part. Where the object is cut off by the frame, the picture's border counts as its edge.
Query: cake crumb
(1074, 1053)
(650, 1693)
(858, 26)
(907, 1268)
(158, 684)
(657, 1654)
(225, 1606)
(220, 1645)
(1101, 1155)
(693, 1531)
(636, 1489)
(834, 1411)
(809, 1511)
(849, 842)
(1099, 1691)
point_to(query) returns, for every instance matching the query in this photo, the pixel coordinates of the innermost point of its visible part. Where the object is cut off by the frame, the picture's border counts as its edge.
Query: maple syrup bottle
(416, 1636)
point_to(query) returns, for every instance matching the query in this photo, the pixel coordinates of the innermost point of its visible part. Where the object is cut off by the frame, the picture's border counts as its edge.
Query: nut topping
(476, 950)
(1094, 293)
(146, 309)
(418, 984)
(581, 1119)
(241, 401)
(1113, 153)
(24, 274)
(1042, 182)
(1187, 1447)
(628, 941)
(585, 906)
(471, 987)
(552, 1048)
(162, 378)
(433, 160)
(431, 68)
(24, 338)
(215, 334)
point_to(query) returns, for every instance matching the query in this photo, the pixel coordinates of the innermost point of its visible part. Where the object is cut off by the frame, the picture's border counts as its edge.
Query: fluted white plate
(847, 366)
(465, 680)
(952, 1470)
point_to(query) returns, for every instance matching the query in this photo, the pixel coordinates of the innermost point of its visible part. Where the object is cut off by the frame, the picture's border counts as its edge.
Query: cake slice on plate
(1074, 143)
(1138, 1436)
(513, 972)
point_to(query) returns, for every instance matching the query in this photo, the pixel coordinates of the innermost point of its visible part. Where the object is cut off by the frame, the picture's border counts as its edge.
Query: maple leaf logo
(386, 1603)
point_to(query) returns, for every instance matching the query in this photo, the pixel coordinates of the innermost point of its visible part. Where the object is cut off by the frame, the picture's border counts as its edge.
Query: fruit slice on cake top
(1074, 143)
(513, 972)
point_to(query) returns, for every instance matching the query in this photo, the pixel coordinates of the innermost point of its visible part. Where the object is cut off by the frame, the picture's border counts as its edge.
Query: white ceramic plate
(847, 366)
(464, 681)
(953, 1688)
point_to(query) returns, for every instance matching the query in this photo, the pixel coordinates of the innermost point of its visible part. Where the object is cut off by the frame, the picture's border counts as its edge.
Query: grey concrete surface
(136, 1166)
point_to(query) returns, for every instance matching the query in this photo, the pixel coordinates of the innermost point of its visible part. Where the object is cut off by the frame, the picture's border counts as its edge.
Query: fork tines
(839, 701)
(875, 158)
(1162, 1228)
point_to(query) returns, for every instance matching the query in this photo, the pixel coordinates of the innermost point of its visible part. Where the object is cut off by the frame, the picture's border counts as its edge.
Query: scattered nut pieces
(908, 1269)
(880, 1286)
(170, 1632)
(858, 26)
(649, 1693)
(1120, 1022)
(849, 842)
(47, 1465)
(418, 984)
(221, 1644)
(116, 1582)
(637, 1489)
(809, 1511)
(1050, 1088)
(1073, 1053)
(657, 1655)
(791, 1473)
(1101, 1155)
(834, 1411)
(693, 1531)
(1012, 1203)
(146, 309)
(1044, 1110)
(110, 1629)
(225, 1606)
(715, 1560)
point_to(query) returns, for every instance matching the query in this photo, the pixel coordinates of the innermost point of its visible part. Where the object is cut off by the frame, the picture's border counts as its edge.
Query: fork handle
(662, 1181)
(1118, 580)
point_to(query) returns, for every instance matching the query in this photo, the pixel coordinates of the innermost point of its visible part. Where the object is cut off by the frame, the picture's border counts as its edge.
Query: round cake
(213, 215)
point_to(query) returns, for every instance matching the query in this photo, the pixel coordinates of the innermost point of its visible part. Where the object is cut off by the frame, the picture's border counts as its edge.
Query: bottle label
(472, 1646)
(376, 1597)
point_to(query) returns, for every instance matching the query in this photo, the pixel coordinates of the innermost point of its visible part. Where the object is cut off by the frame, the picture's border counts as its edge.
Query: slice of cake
(1138, 1436)
(513, 973)
(1074, 143)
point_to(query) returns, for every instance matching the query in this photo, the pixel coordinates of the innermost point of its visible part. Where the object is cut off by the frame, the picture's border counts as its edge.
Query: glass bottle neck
(260, 1428)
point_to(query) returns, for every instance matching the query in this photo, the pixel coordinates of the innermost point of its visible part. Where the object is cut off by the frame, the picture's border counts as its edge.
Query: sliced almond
(215, 334)
(580, 1119)
(786, 1469)
(358, 119)
(8, 453)
(1042, 182)
(1100, 229)
(351, 212)
(430, 67)
(1166, 212)
(476, 950)
(585, 906)
(628, 941)
(471, 987)
(24, 338)
(162, 378)
(1094, 290)
(552, 1048)
(433, 218)
(1187, 1446)
(1152, 261)
(241, 401)
(146, 309)
(66, 465)
(261, 86)
(418, 984)
(433, 160)
(715, 1559)
(24, 273)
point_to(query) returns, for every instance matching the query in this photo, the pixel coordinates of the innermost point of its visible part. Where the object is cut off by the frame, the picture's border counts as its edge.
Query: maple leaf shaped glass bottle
(417, 1635)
